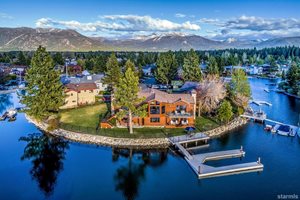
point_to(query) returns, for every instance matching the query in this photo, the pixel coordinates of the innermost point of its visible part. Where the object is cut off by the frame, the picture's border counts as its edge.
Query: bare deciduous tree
(210, 93)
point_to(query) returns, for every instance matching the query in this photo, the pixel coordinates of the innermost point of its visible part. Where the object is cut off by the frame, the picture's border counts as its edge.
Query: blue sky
(216, 19)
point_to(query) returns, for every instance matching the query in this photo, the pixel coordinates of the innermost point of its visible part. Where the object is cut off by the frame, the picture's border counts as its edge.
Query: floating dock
(197, 161)
(260, 103)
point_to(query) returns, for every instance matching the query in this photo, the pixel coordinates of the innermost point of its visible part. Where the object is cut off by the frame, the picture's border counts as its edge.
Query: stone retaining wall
(134, 143)
(237, 122)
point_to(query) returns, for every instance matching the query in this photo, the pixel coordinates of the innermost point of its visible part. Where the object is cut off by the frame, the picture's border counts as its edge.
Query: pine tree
(239, 89)
(58, 59)
(240, 84)
(126, 97)
(225, 112)
(191, 69)
(44, 94)
(113, 71)
(129, 64)
(166, 67)
(293, 78)
(212, 67)
(21, 59)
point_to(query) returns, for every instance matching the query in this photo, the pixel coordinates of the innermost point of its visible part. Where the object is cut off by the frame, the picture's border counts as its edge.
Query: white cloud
(121, 23)
(5, 16)
(180, 15)
(252, 27)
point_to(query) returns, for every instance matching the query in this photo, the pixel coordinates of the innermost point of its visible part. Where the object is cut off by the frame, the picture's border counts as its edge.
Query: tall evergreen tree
(166, 67)
(240, 83)
(190, 68)
(212, 67)
(239, 89)
(113, 71)
(293, 78)
(44, 94)
(58, 59)
(126, 97)
(21, 59)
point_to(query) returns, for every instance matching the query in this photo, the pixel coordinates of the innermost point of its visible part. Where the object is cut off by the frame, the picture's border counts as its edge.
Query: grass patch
(204, 123)
(87, 116)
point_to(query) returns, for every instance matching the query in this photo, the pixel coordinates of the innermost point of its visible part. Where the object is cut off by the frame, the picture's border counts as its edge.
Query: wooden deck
(189, 138)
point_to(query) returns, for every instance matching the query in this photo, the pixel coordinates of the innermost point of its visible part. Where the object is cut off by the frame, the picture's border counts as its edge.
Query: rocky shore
(151, 143)
(134, 143)
(237, 122)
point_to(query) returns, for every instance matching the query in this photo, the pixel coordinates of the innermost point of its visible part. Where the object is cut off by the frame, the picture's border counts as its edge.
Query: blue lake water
(35, 166)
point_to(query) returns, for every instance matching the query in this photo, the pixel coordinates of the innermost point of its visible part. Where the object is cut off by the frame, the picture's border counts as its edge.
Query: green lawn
(87, 116)
(205, 124)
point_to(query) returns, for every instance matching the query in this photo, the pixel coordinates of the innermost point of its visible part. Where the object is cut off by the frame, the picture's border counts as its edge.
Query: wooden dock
(183, 139)
(197, 161)
(261, 118)
(260, 103)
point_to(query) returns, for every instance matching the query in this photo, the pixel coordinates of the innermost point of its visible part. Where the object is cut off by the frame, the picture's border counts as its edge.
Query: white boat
(266, 90)
(11, 113)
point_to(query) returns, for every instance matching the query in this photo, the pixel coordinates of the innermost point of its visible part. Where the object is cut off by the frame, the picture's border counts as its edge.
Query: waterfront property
(166, 110)
(79, 94)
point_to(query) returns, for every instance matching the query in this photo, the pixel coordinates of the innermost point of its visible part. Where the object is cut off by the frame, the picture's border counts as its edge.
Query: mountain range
(26, 39)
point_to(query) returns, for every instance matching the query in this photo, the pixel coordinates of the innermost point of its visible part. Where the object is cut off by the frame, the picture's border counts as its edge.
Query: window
(181, 107)
(154, 103)
(71, 94)
(154, 110)
(163, 109)
(155, 120)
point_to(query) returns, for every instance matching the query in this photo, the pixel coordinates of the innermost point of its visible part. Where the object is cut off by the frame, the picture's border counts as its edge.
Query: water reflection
(46, 155)
(129, 177)
(6, 101)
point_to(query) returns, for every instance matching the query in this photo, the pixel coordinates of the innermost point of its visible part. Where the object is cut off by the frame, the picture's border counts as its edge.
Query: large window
(181, 107)
(154, 110)
(163, 109)
(155, 120)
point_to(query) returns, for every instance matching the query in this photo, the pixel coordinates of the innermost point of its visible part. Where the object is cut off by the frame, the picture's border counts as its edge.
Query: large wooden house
(164, 110)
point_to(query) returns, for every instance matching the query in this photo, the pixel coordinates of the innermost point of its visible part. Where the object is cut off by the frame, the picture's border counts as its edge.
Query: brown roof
(81, 86)
(153, 94)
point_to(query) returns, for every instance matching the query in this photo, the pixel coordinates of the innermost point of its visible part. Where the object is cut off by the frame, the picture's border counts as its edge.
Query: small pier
(260, 103)
(191, 138)
(197, 161)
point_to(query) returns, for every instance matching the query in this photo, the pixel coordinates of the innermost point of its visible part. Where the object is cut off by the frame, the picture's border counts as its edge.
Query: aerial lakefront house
(164, 110)
(79, 94)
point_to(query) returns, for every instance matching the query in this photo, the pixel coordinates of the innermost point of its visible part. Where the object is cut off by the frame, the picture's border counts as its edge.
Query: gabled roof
(81, 86)
(153, 94)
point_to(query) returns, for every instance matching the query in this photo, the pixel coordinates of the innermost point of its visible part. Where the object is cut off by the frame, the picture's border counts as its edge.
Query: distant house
(79, 94)
(148, 70)
(19, 70)
(94, 78)
(254, 70)
(70, 62)
(166, 110)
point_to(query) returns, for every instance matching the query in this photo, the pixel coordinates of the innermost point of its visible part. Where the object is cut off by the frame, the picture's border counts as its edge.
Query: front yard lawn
(204, 123)
(87, 116)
